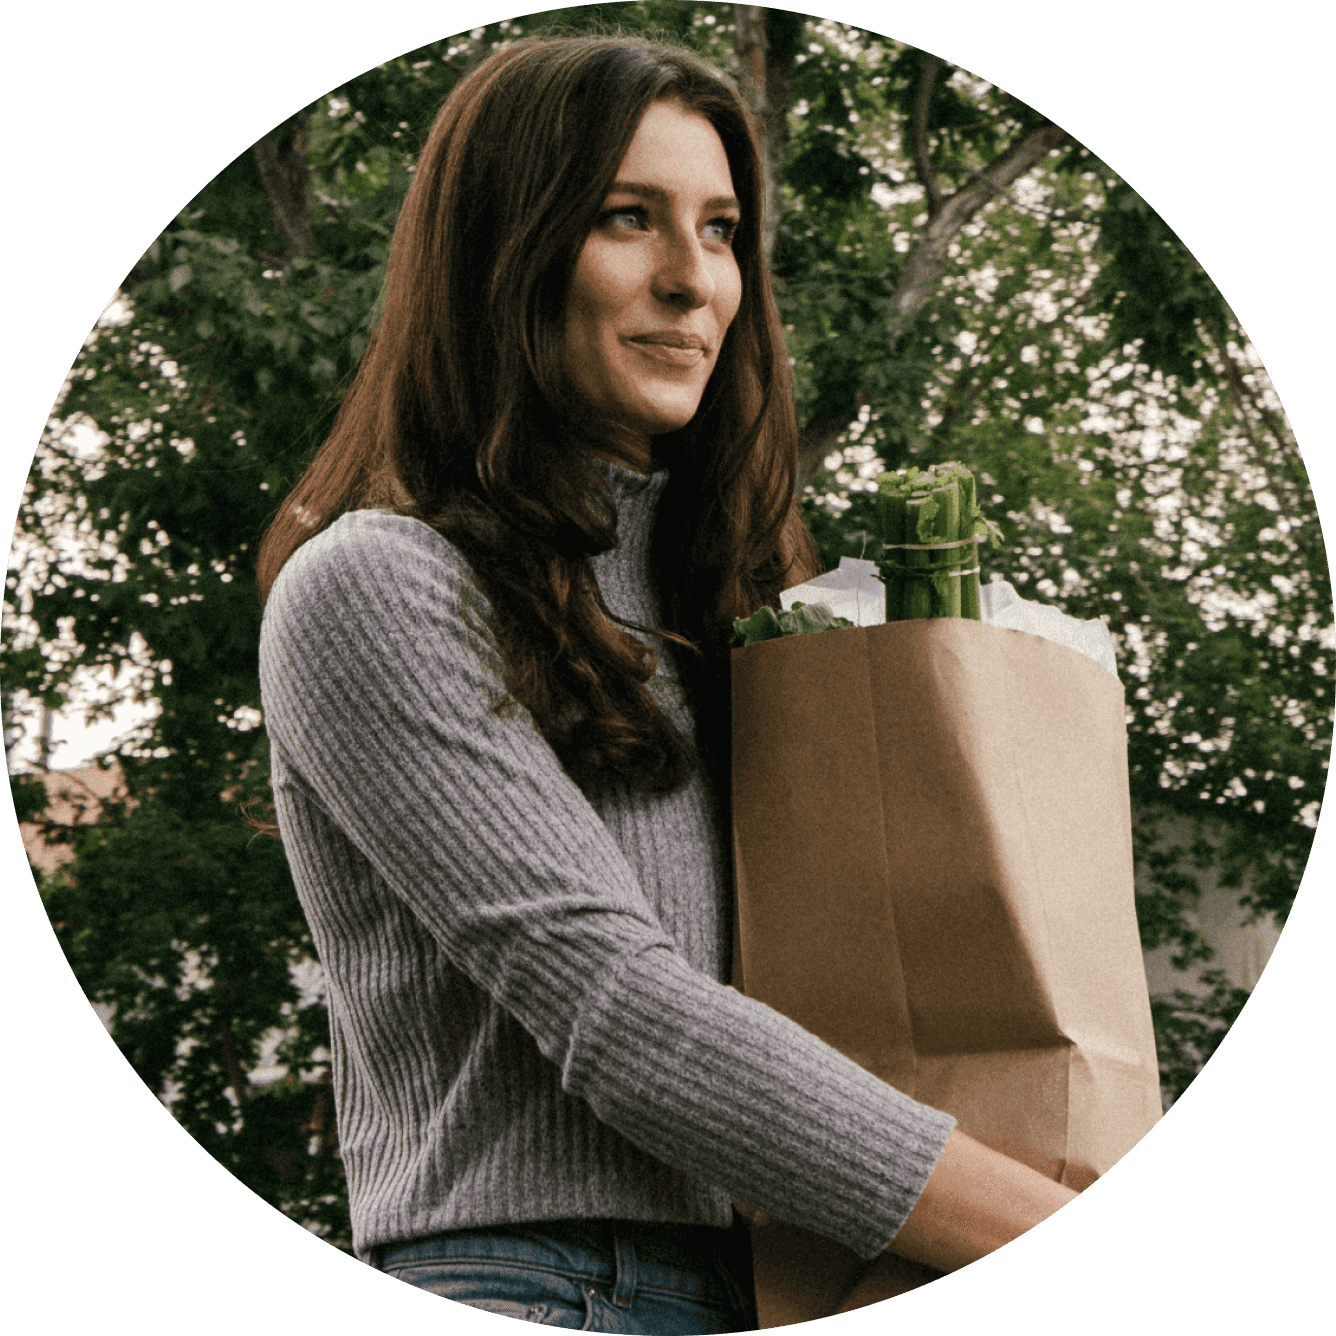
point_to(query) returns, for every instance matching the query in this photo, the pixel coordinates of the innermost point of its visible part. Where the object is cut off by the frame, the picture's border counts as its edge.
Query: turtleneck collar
(626, 483)
(623, 573)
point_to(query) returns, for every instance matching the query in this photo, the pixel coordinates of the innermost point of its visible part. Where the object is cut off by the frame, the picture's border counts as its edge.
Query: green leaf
(800, 620)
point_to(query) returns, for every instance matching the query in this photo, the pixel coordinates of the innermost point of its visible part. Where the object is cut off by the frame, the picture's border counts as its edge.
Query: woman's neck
(633, 454)
(621, 445)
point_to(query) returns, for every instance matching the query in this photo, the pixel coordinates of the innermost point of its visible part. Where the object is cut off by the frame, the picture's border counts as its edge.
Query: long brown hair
(460, 413)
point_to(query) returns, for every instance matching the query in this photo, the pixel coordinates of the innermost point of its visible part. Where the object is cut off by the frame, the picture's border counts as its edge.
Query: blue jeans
(590, 1275)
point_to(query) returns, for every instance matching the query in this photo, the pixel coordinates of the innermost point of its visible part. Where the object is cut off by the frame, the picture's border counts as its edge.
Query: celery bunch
(930, 527)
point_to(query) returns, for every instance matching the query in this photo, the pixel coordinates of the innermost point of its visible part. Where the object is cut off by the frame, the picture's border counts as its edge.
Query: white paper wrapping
(854, 591)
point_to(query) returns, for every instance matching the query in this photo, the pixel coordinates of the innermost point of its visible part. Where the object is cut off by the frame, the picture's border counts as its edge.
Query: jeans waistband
(698, 1262)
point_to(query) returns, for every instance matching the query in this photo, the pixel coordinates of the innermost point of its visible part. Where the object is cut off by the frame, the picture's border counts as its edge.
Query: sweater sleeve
(379, 685)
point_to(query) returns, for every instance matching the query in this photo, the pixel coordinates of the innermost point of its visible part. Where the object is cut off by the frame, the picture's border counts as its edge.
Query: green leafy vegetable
(801, 620)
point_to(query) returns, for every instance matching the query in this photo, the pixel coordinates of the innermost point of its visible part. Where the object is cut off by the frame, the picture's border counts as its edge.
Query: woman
(492, 684)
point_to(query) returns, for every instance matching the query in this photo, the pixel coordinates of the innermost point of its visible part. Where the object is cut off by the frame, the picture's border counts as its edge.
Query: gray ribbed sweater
(528, 1012)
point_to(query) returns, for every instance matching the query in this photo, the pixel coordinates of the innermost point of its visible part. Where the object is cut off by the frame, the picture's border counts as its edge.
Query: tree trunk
(236, 1076)
(764, 60)
(286, 179)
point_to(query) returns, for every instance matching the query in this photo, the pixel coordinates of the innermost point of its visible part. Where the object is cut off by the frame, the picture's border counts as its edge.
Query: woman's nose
(682, 275)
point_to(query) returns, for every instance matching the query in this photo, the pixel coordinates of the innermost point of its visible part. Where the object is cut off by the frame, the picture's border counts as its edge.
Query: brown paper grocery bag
(934, 873)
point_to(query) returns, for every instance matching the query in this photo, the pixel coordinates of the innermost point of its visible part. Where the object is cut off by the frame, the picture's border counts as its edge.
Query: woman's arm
(379, 692)
(975, 1201)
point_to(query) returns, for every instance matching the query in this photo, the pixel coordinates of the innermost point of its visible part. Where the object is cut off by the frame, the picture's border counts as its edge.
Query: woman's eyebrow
(659, 195)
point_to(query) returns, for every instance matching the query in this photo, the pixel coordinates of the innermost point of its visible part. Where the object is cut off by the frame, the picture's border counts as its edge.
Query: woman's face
(656, 285)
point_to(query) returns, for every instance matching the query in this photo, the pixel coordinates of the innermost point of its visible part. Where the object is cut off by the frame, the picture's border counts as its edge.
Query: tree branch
(925, 264)
(922, 164)
(1297, 481)
(923, 269)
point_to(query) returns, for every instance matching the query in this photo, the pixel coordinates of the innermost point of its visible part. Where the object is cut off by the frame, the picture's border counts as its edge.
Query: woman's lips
(672, 350)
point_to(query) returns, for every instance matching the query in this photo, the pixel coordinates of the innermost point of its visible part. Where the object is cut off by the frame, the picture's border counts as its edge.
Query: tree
(952, 271)
(1073, 352)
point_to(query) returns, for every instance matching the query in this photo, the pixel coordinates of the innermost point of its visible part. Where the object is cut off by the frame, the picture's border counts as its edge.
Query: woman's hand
(975, 1201)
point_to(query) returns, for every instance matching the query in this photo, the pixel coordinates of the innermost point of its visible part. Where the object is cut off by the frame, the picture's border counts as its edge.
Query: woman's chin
(661, 418)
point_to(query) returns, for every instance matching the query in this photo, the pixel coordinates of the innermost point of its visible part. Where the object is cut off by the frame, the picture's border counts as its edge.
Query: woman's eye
(628, 220)
(721, 230)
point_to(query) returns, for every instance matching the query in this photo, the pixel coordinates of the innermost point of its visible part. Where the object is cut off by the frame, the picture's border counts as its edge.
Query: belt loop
(625, 1288)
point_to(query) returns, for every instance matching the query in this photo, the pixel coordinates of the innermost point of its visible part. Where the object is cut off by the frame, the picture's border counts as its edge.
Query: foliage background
(209, 440)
